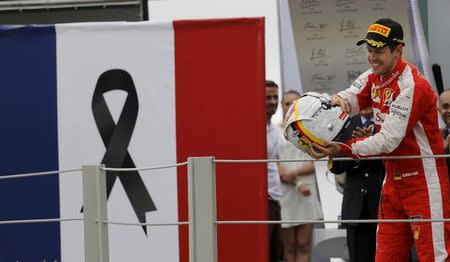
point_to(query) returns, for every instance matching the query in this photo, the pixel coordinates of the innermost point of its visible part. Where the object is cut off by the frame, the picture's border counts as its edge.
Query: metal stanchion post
(95, 212)
(202, 209)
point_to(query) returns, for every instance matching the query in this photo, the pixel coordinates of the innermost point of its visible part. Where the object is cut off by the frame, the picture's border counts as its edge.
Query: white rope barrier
(200, 219)
(146, 224)
(30, 221)
(228, 222)
(326, 159)
(218, 161)
(46, 173)
(143, 168)
(347, 221)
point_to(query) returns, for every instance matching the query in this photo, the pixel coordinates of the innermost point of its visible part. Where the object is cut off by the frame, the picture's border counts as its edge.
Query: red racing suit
(406, 119)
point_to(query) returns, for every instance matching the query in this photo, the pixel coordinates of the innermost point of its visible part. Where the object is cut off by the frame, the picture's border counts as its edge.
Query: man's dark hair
(292, 92)
(270, 83)
(289, 92)
(392, 46)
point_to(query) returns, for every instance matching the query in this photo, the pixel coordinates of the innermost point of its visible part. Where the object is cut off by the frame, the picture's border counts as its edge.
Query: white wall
(439, 36)
(199, 9)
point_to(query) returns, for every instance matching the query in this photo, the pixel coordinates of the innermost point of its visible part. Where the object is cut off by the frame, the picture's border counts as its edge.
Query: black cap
(383, 31)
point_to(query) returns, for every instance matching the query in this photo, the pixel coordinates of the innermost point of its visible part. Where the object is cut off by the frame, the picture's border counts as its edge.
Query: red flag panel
(220, 112)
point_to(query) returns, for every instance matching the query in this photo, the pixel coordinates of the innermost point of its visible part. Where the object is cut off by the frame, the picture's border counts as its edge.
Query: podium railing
(201, 201)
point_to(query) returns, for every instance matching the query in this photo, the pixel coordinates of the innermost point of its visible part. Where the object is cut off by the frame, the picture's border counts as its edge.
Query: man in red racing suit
(406, 116)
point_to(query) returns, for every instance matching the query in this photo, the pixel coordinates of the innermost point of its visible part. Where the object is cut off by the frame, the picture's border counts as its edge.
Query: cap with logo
(384, 31)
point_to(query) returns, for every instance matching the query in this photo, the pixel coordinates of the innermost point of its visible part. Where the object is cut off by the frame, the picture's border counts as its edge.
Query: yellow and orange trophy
(312, 119)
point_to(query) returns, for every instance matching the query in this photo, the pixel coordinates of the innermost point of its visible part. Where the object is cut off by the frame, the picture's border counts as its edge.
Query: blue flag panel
(29, 143)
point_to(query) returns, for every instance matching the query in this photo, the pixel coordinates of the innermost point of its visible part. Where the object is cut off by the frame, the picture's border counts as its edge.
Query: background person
(299, 199)
(273, 178)
(444, 110)
(407, 123)
(362, 188)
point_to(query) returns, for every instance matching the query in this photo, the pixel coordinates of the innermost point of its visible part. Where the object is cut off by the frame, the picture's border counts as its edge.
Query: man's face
(383, 60)
(444, 107)
(271, 100)
(287, 101)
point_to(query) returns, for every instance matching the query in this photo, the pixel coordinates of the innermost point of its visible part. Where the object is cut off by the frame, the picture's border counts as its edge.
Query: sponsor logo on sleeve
(342, 115)
(399, 111)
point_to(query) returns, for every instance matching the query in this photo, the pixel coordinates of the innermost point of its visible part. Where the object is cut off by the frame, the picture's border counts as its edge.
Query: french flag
(131, 95)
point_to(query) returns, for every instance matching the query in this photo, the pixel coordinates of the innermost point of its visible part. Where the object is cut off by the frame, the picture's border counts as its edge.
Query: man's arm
(356, 97)
(446, 140)
(290, 176)
(404, 113)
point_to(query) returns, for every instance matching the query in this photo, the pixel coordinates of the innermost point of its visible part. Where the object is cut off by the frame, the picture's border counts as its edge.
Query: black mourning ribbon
(116, 138)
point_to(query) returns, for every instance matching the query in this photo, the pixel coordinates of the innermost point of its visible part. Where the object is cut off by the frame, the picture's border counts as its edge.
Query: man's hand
(447, 142)
(317, 151)
(286, 176)
(303, 189)
(360, 132)
(342, 103)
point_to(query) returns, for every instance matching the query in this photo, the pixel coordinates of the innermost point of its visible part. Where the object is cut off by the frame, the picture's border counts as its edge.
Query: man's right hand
(303, 189)
(447, 142)
(342, 103)
(362, 132)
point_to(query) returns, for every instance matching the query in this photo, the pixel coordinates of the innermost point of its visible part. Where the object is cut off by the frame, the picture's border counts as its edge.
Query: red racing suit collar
(393, 76)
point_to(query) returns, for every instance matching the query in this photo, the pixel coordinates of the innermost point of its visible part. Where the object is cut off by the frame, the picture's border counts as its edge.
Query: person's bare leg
(289, 243)
(304, 238)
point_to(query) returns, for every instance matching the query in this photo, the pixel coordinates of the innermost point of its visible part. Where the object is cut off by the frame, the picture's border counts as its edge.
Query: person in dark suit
(444, 110)
(362, 189)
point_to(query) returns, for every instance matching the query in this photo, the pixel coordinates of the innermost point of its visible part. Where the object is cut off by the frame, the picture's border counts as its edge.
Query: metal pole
(95, 212)
(202, 209)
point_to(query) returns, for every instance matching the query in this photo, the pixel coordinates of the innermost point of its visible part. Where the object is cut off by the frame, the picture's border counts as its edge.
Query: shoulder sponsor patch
(357, 84)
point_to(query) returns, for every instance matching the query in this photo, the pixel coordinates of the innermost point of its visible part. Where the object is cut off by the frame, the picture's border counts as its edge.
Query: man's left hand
(317, 151)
